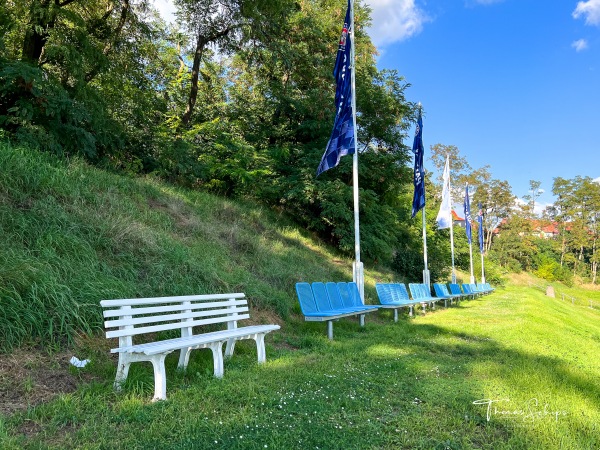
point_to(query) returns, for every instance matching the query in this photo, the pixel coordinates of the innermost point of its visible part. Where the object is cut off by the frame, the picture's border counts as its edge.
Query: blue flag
(341, 141)
(419, 174)
(467, 208)
(480, 221)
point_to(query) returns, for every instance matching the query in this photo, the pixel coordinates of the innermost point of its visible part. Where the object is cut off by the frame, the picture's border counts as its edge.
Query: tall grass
(71, 235)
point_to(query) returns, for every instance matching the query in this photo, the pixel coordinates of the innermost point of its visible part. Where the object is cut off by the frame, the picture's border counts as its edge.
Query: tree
(577, 209)
(222, 24)
(534, 193)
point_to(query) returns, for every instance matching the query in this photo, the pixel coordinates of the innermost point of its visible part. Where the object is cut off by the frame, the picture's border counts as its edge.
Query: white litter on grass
(78, 363)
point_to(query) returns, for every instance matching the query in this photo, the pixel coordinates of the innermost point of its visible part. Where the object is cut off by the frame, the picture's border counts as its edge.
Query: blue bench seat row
(395, 296)
(326, 302)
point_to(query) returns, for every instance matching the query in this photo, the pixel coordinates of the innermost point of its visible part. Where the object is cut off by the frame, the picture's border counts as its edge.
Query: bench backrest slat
(334, 295)
(455, 289)
(171, 317)
(171, 326)
(321, 296)
(117, 312)
(306, 298)
(162, 300)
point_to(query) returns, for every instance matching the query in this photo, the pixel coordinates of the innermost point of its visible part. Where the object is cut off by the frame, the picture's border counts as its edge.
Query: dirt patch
(29, 377)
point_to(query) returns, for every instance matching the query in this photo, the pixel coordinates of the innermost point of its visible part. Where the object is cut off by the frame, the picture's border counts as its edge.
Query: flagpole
(468, 227)
(452, 249)
(451, 222)
(472, 279)
(482, 270)
(426, 271)
(358, 270)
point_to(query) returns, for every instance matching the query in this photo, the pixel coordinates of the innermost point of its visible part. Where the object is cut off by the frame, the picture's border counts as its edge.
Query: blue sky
(514, 84)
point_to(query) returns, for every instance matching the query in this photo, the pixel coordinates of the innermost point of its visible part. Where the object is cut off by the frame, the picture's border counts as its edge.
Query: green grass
(71, 235)
(410, 384)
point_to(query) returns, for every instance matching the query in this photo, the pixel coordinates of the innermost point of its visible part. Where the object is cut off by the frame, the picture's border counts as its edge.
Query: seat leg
(395, 314)
(160, 377)
(260, 348)
(330, 329)
(410, 311)
(122, 371)
(229, 347)
(217, 350)
(184, 357)
(362, 320)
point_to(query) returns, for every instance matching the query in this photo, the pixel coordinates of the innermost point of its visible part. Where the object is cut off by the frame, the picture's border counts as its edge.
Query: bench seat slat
(231, 314)
(118, 312)
(171, 326)
(158, 300)
(157, 347)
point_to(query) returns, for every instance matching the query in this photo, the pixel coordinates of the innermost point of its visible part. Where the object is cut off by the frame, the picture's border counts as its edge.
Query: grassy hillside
(71, 235)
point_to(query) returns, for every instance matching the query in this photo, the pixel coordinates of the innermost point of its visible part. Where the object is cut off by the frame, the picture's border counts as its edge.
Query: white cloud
(579, 45)
(395, 20)
(597, 180)
(590, 9)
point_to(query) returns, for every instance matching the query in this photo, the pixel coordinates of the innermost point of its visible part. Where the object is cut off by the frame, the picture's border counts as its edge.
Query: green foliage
(548, 268)
(41, 113)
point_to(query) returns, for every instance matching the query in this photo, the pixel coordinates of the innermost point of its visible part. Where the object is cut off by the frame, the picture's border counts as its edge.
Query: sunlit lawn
(513, 370)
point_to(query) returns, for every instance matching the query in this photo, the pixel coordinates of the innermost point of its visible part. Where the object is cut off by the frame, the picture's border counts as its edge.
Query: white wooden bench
(127, 318)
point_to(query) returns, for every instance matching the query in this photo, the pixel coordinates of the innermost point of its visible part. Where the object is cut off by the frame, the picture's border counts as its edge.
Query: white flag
(444, 217)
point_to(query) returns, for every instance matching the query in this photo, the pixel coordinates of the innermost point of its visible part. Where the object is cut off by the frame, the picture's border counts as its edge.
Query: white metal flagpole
(358, 270)
(426, 271)
(482, 270)
(472, 279)
(451, 223)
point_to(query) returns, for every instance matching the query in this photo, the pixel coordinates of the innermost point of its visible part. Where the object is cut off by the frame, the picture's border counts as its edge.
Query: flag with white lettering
(341, 141)
(467, 209)
(419, 174)
(444, 217)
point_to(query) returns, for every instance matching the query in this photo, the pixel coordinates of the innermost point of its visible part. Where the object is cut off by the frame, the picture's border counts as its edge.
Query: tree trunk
(200, 45)
(42, 18)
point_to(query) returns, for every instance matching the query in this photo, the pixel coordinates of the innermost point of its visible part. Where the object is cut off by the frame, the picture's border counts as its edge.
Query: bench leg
(184, 358)
(395, 314)
(330, 329)
(410, 311)
(229, 347)
(122, 371)
(445, 303)
(362, 320)
(217, 350)
(260, 348)
(423, 305)
(160, 377)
